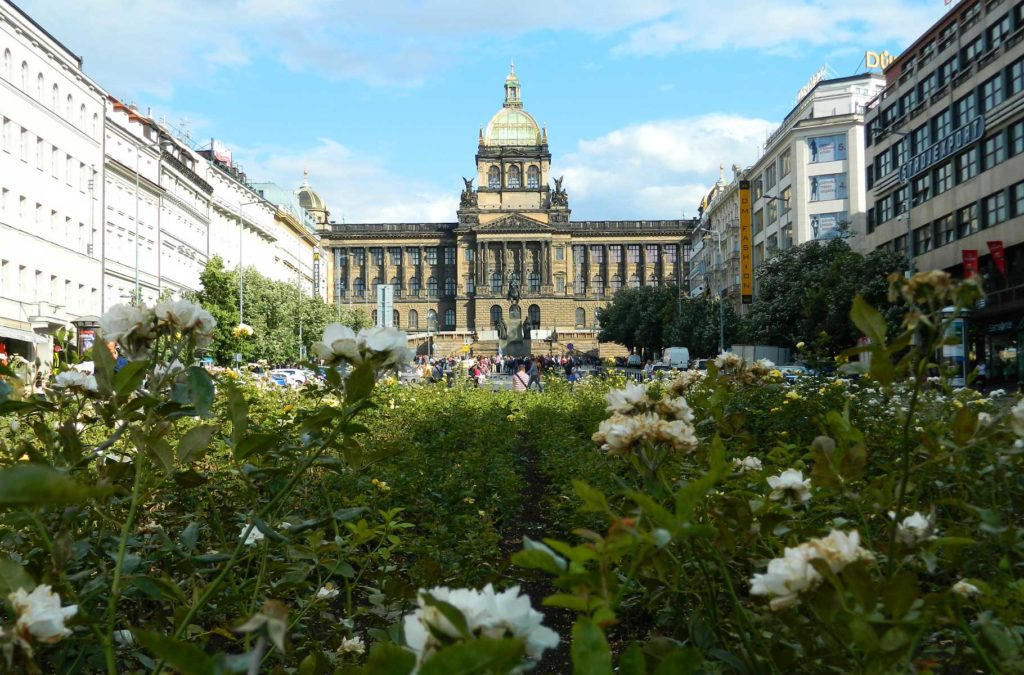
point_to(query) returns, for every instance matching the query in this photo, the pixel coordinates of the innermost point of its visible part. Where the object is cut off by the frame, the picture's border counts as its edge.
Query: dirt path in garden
(533, 522)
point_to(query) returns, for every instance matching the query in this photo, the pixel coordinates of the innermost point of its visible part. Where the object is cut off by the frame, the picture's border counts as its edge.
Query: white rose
(72, 379)
(790, 483)
(1017, 418)
(354, 645)
(965, 589)
(914, 529)
(254, 536)
(325, 593)
(339, 342)
(121, 321)
(388, 345)
(747, 464)
(40, 615)
(180, 314)
(629, 399)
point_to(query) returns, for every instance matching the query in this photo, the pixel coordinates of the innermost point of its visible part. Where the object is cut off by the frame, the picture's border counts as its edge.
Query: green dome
(512, 126)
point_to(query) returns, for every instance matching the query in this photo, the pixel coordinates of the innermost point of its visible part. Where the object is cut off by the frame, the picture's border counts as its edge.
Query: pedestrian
(535, 371)
(649, 370)
(521, 381)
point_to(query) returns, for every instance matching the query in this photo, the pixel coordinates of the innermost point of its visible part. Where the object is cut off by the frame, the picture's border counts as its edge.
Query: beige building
(453, 279)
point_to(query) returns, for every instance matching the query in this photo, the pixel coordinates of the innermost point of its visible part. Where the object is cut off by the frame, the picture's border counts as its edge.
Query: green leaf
(590, 652)
(633, 662)
(158, 588)
(130, 377)
(868, 320)
(103, 367)
(455, 617)
(476, 656)
(345, 515)
(387, 658)
(200, 386)
(12, 577)
(316, 663)
(567, 601)
(186, 657)
(964, 424)
(899, 593)
(536, 560)
(252, 443)
(359, 383)
(37, 485)
(190, 479)
(238, 411)
(194, 443)
(593, 499)
(681, 662)
(189, 536)
(267, 530)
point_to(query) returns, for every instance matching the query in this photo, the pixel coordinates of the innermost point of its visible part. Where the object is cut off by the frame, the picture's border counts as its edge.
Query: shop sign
(873, 60)
(746, 245)
(970, 258)
(945, 147)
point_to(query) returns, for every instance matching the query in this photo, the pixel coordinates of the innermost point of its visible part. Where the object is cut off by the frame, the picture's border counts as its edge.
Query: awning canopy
(22, 335)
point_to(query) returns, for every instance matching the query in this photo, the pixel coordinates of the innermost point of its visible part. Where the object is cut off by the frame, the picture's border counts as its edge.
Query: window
(943, 178)
(616, 283)
(449, 318)
(432, 287)
(967, 221)
(928, 85)
(359, 287)
(414, 256)
(596, 254)
(1017, 138)
(902, 151)
(998, 31)
(947, 70)
(95, 124)
(395, 253)
(994, 150)
(1018, 199)
(757, 221)
(396, 287)
(1016, 77)
(494, 177)
(533, 314)
(55, 98)
(414, 286)
(995, 209)
(769, 176)
(559, 284)
(922, 188)
(923, 239)
(449, 287)
(7, 65)
(377, 254)
(884, 209)
(495, 282)
(394, 318)
(597, 286)
(787, 195)
(496, 315)
(634, 281)
(945, 230)
(992, 93)
(579, 285)
(515, 177)
(449, 255)
(942, 124)
(431, 320)
(533, 280)
(533, 178)
(773, 211)
(920, 138)
(581, 317)
(615, 254)
(785, 162)
(24, 76)
(967, 165)
(470, 254)
(359, 255)
(883, 163)
(559, 253)
(670, 253)
(633, 253)
(973, 49)
(39, 154)
(966, 109)
(901, 197)
(81, 117)
(431, 255)
(652, 254)
(69, 108)
(414, 319)
(758, 190)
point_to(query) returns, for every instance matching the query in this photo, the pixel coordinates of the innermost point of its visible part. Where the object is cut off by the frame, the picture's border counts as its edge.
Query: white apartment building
(51, 152)
(714, 266)
(157, 225)
(298, 244)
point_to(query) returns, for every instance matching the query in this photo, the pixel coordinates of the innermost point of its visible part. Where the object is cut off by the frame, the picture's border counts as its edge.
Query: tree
(274, 309)
(636, 318)
(697, 326)
(807, 291)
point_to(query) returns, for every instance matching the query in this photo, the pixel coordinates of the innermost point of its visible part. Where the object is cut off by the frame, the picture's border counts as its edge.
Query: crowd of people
(525, 372)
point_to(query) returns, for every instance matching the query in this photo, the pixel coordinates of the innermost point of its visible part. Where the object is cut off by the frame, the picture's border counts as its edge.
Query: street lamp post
(908, 201)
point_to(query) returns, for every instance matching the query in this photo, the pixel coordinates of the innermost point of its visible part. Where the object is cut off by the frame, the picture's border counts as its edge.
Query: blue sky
(382, 101)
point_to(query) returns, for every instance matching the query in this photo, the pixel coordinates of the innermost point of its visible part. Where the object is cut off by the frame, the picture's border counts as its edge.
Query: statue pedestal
(516, 344)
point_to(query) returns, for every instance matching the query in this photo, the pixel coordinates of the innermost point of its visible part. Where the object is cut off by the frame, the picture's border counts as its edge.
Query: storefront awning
(22, 335)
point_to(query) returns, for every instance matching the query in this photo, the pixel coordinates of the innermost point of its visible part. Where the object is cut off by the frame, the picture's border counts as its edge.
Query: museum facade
(513, 266)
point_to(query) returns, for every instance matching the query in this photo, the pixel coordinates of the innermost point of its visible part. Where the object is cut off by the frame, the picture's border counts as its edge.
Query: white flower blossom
(914, 529)
(353, 645)
(619, 433)
(72, 379)
(40, 616)
(790, 483)
(965, 589)
(765, 363)
(1017, 418)
(728, 360)
(123, 321)
(124, 637)
(384, 346)
(997, 393)
(792, 574)
(15, 425)
(254, 536)
(326, 593)
(748, 464)
(630, 399)
(488, 614)
(181, 315)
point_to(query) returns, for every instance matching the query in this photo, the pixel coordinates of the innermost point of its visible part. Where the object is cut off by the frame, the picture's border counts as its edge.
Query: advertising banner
(221, 152)
(746, 245)
(86, 339)
(970, 258)
(829, 225)
(385, 305)
(827, 148)
(995, 248)
(829, 186)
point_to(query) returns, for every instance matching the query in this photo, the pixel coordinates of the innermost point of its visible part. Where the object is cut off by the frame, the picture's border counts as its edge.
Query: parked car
(699, 364)
(676, 357)
(792, 373)
(279, 378)
(634, 361)
(294, 377)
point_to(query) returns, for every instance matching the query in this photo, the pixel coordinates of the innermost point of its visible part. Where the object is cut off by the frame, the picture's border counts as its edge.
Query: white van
(676, 357)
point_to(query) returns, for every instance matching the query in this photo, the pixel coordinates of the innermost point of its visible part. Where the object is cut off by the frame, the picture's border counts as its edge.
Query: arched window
(533, 314)
(359, 287)
(396, 287)
(533, 280)
(515, 177)
(95, 124)
(431, 320)
(374, 284)
(495, 315)
(70, 107)
(449, 318)
(449, 287)
(432, 287)
(374, 317)
(581, 317)
(40, 87)
(24, 76)
(494, 177)
(7, 65)
(616, 283)
(81, 117)
(634, 281)
(496, 282)
(414, 319)
(55, 99)
(394, 318)
(652, 280)
(533, 177)
(414, 286)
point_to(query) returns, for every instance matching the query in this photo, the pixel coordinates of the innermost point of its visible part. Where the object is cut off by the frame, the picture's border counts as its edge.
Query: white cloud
(657, 169)
(782, 26)
(357, 188)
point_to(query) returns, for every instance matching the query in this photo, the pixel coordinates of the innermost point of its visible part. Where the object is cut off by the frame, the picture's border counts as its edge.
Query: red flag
(998, 256)
(970, 257)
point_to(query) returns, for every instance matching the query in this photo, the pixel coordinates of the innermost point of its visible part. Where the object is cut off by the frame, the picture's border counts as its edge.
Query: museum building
(456, 283)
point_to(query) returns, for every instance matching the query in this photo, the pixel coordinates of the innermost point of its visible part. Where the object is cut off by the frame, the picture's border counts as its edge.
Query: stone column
(421, 271)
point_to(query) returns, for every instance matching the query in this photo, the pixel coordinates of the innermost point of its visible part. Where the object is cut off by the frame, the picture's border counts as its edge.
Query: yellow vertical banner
(746, 245)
